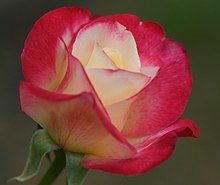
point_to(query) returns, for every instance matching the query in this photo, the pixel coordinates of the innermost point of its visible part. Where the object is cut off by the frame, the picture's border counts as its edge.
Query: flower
(110, 87)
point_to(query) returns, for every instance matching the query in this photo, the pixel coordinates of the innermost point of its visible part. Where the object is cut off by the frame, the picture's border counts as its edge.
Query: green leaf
(41, 144)
(55, 169)
(75, 172)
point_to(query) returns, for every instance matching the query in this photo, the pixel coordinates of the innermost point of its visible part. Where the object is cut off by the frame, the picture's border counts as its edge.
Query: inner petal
(61, 66)
(115, 85)
(116, 42)
(115, 57)
(99, 59)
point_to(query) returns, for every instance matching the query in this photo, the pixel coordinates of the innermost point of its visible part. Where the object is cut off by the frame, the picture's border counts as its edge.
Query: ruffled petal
(151, 151)
(164, 99)
(75, 122)
(43, 58)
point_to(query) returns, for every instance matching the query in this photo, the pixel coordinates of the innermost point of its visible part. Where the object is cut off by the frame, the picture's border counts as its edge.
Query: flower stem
(75, 172)
(55, 169)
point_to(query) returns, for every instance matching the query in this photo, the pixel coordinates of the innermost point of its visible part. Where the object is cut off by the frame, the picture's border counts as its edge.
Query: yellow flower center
(114, 56)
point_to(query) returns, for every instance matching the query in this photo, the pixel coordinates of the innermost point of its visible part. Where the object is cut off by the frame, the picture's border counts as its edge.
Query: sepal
(41, 144)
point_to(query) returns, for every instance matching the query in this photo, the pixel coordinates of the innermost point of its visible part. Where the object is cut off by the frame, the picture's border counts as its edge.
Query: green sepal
(75, 172)
(41, 144)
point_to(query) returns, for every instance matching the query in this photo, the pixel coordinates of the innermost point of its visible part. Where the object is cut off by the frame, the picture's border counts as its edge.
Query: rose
(111, 87)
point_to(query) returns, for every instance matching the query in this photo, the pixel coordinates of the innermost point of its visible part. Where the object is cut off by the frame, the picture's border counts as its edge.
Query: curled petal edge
(60, 114)
(152, 151)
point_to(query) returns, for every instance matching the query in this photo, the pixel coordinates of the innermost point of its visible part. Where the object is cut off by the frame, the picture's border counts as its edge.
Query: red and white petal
(115, 85)
(153, 156)
(116, 41)
(149, 36)
(119, 111)
(151, 153)
(182, 128)
(164, 99)
(131, 22)
(42, 57)
(75, 122)
(75, 80)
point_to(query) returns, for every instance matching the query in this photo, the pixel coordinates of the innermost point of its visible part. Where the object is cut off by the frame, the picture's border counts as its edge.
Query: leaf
(55, 169)
(41, 144)
(75, 172)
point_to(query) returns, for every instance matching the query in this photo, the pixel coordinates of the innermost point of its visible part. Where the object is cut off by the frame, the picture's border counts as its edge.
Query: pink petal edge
(152, 152)
(41, 54)
(164, 99)
(60, 114)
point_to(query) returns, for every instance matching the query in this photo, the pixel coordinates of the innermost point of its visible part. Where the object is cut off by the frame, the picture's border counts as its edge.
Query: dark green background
(194, 23)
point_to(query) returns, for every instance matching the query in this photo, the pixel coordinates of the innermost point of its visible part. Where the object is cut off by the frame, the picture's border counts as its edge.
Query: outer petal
(42, 58)
(149, 37)
(152, 151)
(75, 122)
(164, 99)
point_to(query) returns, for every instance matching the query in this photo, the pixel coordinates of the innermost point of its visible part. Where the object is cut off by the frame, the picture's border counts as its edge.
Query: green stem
(75, 172)
(55, 169)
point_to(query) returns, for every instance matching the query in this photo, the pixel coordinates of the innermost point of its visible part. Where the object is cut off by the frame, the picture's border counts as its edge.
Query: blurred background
(194, 23)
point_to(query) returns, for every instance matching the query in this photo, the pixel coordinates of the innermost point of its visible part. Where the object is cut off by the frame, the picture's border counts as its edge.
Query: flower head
(110, 87)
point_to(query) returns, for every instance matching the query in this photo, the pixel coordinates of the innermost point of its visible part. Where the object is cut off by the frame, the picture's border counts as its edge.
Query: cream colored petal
(118, 113)
(150, 71)
(99, 59)
(114, 86)
(118, 44)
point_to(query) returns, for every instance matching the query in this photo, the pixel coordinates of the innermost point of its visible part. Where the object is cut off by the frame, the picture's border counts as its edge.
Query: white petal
(99, 59)
(113, 86)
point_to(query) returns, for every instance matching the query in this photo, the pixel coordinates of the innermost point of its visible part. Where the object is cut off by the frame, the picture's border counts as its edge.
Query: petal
(182, 128)
(75, 80)
(119, 111)
(42, 58)
(116, 41)
(131, 22)
(151, 152)
(115, 85)
(75, 122)
(149, 36)
(153, 156)
(99, 59)
(164, 99)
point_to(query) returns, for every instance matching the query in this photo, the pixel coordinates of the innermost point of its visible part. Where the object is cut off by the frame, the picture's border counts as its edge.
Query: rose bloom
(110, 87)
